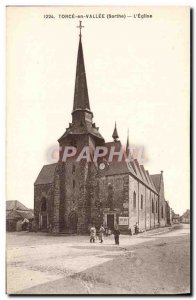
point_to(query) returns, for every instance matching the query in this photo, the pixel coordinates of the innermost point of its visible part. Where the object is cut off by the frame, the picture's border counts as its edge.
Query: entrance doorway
(43, 214)
(110, 221)
(73, 222)
(44, 222)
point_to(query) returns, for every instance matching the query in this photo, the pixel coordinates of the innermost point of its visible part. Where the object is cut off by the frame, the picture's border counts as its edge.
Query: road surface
(155, 262)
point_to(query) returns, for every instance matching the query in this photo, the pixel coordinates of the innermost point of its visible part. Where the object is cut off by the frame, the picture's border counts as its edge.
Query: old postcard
(98, 163)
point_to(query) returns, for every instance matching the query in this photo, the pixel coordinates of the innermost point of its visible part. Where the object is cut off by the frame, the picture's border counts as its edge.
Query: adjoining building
(185, 218)
(16, 215)
(70, 195)
(175, 218)
(168, 213)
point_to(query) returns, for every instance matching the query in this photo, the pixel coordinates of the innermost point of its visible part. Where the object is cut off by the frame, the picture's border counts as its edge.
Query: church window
(141, 201)
(73, 169)
(134, 199)
(74, 183)
(43, 204)
(152, 206)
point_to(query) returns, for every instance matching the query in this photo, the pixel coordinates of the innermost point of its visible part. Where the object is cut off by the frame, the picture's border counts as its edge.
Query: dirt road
(156, 262)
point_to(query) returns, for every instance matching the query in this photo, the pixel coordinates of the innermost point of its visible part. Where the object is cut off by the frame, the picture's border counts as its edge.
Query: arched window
(142, 202)
(162, 211)
(43, 204)
(152, 206)
(74, 183)
(134, 199)
(73, 169)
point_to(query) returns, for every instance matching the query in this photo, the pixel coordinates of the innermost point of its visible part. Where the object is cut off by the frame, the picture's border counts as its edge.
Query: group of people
(93, 234)
(107, 231)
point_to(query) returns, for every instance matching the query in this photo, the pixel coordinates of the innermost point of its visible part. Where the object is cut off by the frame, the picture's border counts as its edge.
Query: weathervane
(80, 26)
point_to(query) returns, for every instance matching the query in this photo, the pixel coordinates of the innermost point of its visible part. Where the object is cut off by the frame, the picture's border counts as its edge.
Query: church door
(43, 214)
(73, 222)
(110, 221)
(44, 222)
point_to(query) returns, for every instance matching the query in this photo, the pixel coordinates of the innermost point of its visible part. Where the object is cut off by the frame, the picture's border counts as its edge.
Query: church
(72, 194)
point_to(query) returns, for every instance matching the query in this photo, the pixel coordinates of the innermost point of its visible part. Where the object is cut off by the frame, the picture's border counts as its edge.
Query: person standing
(136, 228)
(106, 230)
(101, 232)
(92, 234)
(116, 235)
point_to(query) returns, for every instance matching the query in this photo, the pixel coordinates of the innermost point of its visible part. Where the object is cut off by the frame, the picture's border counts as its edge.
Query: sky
(137, 74)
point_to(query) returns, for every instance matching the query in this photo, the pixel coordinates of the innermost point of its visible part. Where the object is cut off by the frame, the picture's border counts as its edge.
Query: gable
(133, 167)
(156, 179)
(46, 174)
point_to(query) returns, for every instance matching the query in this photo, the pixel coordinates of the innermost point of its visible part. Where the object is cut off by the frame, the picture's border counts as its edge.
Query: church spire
(81, 100)
(82, 116)
(127, 145)
(115, 134)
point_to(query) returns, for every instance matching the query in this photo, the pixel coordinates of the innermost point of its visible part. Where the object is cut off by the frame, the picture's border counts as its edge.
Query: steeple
(127, 145)
(115, 134)
(81, 106)
(82, 123)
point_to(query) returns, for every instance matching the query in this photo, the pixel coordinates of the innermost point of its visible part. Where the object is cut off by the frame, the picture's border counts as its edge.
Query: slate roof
(123, 167)
(144, 174)
(117, 144)
(18, 215)
(81, 130)
(26, 214)
(46, 174)
(156, 178)
(16, 210)
(81, 99)
(12, 215)
(115, 168)
(15, 205)
(133, 167)
(137, 167)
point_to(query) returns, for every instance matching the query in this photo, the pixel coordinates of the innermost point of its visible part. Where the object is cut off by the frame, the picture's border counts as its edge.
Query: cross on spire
(80, 26)
(81, 99)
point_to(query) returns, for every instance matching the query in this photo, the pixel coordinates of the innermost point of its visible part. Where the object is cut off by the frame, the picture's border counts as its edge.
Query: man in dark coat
(136, 228)
(116, 235)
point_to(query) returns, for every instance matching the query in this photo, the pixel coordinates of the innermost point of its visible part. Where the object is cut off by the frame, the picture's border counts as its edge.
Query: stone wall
(162, 217)
(156, 210)
(46, 191)
(80, 191)
(148, 208)
(141, 210)
(120, 187)
(133, 202)
(74, 187)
